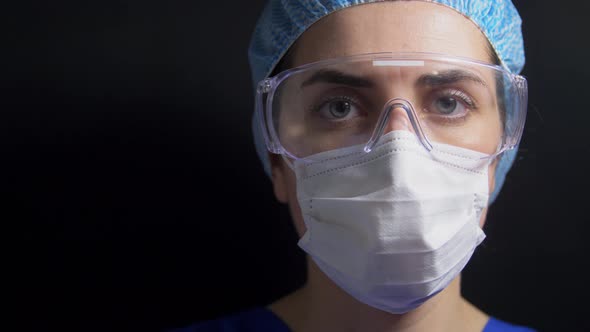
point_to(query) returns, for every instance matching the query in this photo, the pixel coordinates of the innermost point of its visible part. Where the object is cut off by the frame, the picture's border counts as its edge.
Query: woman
(387, 127)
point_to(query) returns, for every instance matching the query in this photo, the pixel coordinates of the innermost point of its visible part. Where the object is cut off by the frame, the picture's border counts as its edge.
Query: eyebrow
(448, 77)
(338, 77)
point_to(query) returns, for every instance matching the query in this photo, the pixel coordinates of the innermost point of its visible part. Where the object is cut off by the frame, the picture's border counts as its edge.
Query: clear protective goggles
(354, 100)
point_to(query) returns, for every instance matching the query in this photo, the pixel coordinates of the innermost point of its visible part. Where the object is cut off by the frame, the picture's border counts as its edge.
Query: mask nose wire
(382, 122)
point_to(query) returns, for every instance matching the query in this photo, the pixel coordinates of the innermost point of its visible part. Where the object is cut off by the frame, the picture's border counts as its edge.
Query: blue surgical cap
(283, 21)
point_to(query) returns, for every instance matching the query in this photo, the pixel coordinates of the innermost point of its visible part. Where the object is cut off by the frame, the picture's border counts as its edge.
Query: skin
(409, 26)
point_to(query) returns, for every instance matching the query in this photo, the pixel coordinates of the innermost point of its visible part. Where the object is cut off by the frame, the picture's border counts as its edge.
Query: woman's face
(398, 26)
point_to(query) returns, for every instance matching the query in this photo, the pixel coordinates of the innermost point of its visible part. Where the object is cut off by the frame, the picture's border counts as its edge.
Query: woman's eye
(452, 104)
(338, 109)
(447, 106)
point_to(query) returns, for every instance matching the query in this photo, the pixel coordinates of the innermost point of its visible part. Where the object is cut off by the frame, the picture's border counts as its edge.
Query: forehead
(391, 26)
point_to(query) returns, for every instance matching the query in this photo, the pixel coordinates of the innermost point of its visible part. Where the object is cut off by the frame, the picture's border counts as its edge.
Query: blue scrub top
(261, 319)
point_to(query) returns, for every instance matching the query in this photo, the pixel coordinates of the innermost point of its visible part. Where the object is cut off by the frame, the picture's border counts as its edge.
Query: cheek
(293, 203)
(492, 175)
(491, 186)
(297, 217)
(482, 219)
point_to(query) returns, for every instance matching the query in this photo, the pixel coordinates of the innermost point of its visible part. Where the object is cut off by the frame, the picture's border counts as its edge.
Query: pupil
(447, 105)
(339, 109)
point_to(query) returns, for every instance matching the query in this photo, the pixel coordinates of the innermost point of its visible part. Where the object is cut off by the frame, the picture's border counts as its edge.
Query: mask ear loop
(288, 162)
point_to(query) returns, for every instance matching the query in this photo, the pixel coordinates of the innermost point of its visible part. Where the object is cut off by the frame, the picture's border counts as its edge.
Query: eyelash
(327, 100)
(448, 93)
(461, 96)
(316, 107)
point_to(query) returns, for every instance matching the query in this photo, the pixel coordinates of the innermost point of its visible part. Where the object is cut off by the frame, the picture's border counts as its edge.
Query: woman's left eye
(453, 104)
(448, 106)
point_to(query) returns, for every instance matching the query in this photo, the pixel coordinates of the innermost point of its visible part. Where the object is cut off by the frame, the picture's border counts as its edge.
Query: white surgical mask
(395, 226)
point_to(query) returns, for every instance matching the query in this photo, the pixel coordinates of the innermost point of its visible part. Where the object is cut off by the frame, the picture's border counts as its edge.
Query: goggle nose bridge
(384, 119)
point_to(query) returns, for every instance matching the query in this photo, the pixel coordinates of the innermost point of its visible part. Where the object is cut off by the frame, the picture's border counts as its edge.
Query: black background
(139, 203)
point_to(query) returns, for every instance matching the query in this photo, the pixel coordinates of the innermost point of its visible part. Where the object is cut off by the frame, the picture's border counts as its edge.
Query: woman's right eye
(338, 109)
